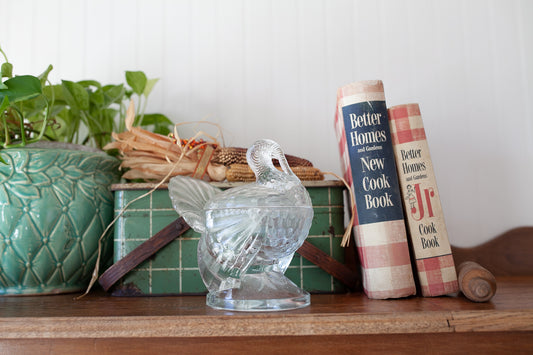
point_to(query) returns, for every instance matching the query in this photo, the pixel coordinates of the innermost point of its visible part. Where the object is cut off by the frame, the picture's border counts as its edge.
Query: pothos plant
(83, 112)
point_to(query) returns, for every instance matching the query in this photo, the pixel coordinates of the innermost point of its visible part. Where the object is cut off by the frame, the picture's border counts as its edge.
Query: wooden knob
(477, 283)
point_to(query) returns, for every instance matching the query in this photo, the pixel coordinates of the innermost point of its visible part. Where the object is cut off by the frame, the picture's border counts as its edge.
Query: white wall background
(271, 68)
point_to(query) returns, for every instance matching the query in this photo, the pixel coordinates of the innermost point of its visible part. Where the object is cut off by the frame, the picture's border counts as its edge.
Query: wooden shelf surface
(342, 323)
(98, 315)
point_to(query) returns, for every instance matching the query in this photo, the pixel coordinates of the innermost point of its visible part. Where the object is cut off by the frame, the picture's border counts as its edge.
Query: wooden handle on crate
(116, 271)
(336, 269)
(477, 283)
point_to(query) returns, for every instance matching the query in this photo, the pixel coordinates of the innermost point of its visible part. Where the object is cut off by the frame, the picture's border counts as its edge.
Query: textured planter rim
(62, 145)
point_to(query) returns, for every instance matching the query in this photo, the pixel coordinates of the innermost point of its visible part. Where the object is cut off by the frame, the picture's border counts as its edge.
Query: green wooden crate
(174, 270)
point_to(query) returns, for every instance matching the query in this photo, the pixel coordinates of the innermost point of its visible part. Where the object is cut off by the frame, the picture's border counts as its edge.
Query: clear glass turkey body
(249, 234)
(252, 233)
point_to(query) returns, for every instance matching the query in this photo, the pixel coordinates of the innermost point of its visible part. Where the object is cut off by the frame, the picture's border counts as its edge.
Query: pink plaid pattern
(343, 149)
(399, 117)
(437, 275)
(392, 254)
(343, 145)
(382, 247)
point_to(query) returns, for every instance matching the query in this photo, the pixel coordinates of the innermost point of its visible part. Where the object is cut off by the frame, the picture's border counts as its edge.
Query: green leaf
(65, 127)
(97, 98)
(149, 86)
(163, 130)
(137, 81)
(75, 95)
(33, 109)
(20, 88)
(61, 130)
(87, 83)
(4, 104)
(161, 123)
(6, 70)
(54, 92)
(57, 108)
(156, 119)
(114, 93)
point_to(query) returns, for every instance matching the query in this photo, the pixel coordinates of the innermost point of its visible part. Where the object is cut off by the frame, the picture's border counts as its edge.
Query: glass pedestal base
(270, 291)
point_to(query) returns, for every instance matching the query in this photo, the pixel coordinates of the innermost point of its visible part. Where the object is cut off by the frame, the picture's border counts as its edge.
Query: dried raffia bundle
(242, 172)
(152, 156)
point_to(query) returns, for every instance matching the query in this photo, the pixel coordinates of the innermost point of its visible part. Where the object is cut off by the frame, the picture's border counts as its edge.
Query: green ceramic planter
(54, 206)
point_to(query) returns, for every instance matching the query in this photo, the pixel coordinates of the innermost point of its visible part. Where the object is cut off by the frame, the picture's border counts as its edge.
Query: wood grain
(99, 316)
(222, 326)
(479, 321)
(508, 254)
(446, 343)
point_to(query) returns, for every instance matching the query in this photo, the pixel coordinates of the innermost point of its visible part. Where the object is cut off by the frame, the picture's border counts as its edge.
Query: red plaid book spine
(367, 158)
(425, 220)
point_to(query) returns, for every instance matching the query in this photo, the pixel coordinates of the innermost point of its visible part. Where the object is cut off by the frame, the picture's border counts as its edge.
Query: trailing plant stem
(45, 121)
(5, 56)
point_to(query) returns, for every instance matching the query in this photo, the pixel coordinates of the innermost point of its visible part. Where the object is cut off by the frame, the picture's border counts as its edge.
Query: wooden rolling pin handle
(476, 283)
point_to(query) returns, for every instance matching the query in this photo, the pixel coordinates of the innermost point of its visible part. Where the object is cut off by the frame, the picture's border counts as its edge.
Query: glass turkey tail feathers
(189, 197)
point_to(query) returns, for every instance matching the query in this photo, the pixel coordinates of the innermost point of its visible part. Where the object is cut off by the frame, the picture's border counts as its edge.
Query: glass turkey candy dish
(249, 233)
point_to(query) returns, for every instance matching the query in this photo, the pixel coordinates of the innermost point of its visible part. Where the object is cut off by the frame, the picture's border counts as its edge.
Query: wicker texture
(235, 155)
(242, 172)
